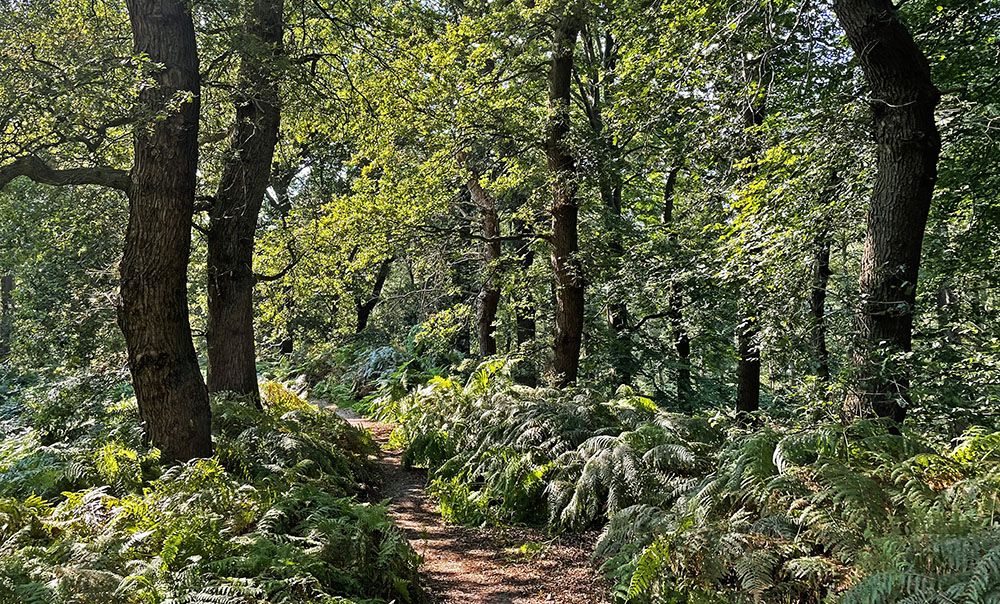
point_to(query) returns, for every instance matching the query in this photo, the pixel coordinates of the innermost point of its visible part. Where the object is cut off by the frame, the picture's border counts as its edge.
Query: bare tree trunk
(365, 307)
(6, 314)
(171, 394)
(569, 283)
(907, 148)
(682, 342)
(231, 352)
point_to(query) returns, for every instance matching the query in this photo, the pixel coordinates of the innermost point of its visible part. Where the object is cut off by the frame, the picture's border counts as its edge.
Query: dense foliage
(89, 514)
(716, 279)
(699, 508)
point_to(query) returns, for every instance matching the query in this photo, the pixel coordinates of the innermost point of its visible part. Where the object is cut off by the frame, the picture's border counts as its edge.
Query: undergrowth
(705, 509)
(90, 515)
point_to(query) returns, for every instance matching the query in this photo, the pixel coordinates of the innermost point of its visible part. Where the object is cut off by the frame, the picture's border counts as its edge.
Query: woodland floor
(472, 565)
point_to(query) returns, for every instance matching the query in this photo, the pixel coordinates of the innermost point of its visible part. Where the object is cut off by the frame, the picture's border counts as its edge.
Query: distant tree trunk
(466, 288)
(817, 299)
(524, 311)
(6, 314)
(569, 283)
(281, 182)
(748, 372)
(903, 101)
(602, 56)
(748, 332)
(817, 304)
(232, 359)
(171, 394)
(488, 301)
(365, 307)
(682, 342)
(618, 315)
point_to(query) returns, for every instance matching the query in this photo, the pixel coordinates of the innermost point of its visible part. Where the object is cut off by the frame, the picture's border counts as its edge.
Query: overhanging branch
(40, 172)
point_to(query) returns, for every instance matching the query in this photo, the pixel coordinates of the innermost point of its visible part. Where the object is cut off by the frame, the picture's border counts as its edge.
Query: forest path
(470, 565)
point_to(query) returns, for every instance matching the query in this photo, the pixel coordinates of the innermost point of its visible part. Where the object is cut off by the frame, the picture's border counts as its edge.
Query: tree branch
(40, 172)
(655, 315)
(260, 278)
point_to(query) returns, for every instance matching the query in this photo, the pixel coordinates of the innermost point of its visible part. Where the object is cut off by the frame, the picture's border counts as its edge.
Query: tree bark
(908, 144)
(171, 394)
(232, 361)
(365, 307)
(6, 314)
(569, 283)
(37, 170)
(488, 301)
(675, 313)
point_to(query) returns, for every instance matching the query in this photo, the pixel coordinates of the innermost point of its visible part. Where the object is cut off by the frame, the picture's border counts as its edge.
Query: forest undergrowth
(88, 514)
(703, 507)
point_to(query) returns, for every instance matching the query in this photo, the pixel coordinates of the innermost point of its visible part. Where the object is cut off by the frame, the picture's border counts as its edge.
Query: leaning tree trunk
(682, 341)
(233, 220)
(171, 394)
(488, 301)
(569, 284)
(903, 100)
(365, 307)
(6, 314)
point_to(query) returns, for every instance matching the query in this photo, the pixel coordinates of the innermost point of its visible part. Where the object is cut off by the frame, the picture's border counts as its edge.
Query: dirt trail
(466, 565)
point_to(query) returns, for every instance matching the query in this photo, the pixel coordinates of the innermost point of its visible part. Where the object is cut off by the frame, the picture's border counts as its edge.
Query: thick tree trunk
(569, 283)
(6, 314)
(365, 307)
(171, 394)
(231, 353)
(524, 311)
(903, 101)
(682, 342)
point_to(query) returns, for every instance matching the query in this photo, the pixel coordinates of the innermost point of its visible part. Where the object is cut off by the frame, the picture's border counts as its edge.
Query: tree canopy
(717, 278)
